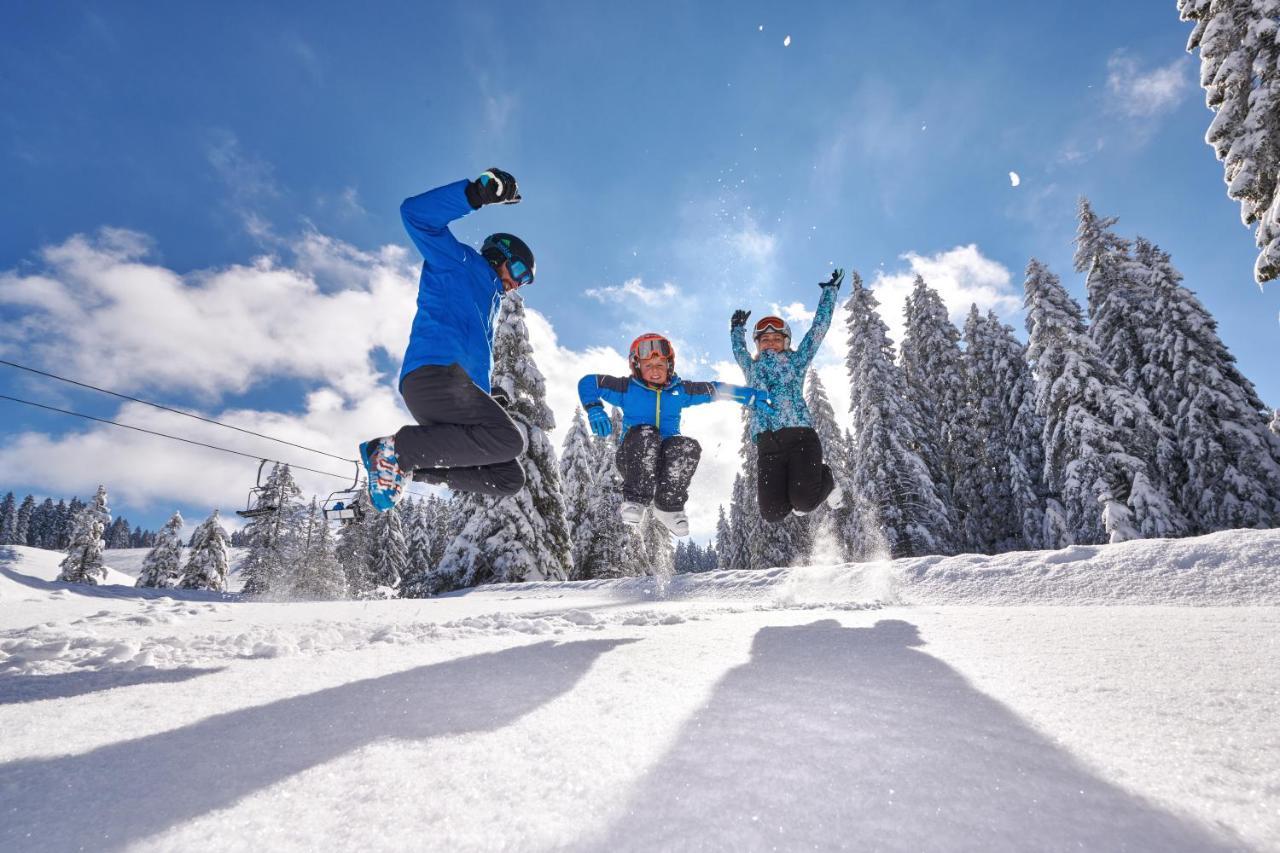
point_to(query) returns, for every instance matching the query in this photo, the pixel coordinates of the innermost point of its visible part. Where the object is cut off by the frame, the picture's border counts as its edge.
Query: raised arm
(427, 216)
(738, 341)
(821, 320)
(596, 388)
(697, 393)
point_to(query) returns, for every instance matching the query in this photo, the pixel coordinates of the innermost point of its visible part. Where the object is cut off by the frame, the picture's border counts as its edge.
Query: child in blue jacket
(656, 462)
(791, 474)
(463, 437)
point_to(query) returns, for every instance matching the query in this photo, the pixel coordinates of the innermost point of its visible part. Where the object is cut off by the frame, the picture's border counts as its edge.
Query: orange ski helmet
(648, 344)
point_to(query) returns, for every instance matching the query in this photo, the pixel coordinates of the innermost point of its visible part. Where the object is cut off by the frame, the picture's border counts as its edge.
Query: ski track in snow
(1094, 697)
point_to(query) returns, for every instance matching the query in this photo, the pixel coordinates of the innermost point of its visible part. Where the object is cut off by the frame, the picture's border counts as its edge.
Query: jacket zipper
(657, 420)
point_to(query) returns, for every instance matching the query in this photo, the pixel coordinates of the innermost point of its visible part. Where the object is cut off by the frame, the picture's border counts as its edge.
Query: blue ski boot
(382, 470)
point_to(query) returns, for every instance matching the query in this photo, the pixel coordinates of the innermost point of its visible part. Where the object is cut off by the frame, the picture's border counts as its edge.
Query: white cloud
(796, 312)
(962, 276)
(131, 324)
(127, 322)
(1146, 93)
(635, 289)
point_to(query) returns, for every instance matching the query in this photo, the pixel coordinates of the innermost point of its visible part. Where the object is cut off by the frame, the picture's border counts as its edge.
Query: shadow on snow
(33, 688)
(852, 737)
(116, 795)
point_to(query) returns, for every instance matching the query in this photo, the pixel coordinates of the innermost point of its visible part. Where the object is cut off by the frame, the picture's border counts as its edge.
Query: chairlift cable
(164, 408)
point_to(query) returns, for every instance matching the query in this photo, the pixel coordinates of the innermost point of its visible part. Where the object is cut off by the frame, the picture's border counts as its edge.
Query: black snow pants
(657, 470)
(464, 438)
(792, 475)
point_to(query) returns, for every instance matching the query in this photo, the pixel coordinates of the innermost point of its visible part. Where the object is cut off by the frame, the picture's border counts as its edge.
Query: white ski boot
(632, 513)
(677, 522)
(834, 500)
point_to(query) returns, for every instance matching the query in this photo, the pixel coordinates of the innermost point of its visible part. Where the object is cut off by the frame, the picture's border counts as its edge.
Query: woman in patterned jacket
(792, 475)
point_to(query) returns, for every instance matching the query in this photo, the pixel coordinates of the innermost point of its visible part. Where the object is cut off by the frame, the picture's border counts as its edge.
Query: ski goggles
(518, 269)
(650, 347)
(772, 324)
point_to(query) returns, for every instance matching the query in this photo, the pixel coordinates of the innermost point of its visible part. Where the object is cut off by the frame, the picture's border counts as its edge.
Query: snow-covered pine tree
(67, 513)
(1125, 327)
(22, 523)
(417, 533)
(314, 570)
(272, 539)
(162, 567)
(1240, 74)
(207, 563)
(354, 554)
(895, 508)
(8, 520)
(1228, 461)
(1093, 458)
(1001, 489)
(723, 536)
(117, 535)
(523, 537)
(743, 518)
(608, 548)
(83, 563)
(389, 553)
(834, 450)
(579, 471)
(43, 522)
(1275, 422)
(934, 390)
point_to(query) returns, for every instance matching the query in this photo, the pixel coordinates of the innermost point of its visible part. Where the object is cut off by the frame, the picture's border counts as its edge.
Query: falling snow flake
(786, 42)
(1014, 180)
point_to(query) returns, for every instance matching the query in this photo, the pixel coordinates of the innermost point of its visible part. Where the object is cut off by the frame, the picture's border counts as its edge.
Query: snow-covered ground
(1122, 697)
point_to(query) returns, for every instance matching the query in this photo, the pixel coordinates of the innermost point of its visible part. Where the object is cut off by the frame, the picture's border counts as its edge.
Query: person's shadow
(835, 738)
(124, 792)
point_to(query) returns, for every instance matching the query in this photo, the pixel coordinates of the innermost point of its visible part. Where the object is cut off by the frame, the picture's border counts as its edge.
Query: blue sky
(678, 160)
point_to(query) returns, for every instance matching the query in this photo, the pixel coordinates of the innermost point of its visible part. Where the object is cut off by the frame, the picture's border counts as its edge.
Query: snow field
(885, 706)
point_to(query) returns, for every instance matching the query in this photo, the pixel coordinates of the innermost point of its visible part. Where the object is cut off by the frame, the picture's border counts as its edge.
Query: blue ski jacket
(646, 404)
(459, 294)
(781, 374)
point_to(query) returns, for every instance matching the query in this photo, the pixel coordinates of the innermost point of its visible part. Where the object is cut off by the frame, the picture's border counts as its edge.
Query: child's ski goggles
(647, 347)
(772, 324)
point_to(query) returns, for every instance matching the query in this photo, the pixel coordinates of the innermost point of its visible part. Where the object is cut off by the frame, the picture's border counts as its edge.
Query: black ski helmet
(500, 248)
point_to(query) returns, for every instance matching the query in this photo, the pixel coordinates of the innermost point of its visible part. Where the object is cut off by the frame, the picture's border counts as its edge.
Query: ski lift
(255, 507)
(344, 504)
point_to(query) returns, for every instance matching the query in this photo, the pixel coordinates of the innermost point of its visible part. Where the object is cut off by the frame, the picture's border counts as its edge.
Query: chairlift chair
(255, 507)
(344, 504)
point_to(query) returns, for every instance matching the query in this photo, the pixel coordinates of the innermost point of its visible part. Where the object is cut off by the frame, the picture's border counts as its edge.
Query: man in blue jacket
(656, 462)
(463, 438)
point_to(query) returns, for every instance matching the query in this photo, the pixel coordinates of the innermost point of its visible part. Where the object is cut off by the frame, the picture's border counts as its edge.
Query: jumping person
(792, 475)
(657, 463)
(463, 438)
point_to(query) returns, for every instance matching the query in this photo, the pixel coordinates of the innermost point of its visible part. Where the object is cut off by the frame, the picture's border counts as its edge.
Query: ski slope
(1104, 698)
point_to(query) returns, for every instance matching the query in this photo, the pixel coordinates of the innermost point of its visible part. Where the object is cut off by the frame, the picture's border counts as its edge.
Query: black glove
(501, 396)
(739, 319)
(837, 276)
(493, 187)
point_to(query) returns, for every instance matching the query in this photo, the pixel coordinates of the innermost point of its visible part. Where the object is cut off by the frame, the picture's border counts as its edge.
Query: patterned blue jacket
(645, 404)
(781, 374)
(459, 294)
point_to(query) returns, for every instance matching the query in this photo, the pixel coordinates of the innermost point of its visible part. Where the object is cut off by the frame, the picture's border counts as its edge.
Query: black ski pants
(464, 439)
(791, 472)
(657, 470)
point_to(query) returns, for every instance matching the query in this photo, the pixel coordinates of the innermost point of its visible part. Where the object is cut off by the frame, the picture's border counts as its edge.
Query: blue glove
(757, 398)
(601, 424)
(761, 402)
